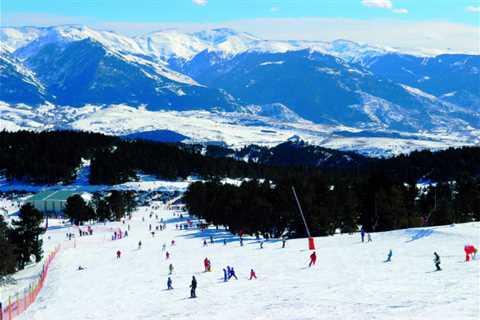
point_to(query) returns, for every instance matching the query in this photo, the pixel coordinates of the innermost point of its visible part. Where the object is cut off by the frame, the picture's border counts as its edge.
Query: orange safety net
(21, 301)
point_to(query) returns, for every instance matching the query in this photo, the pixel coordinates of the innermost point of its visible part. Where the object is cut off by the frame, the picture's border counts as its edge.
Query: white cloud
(400, 10)
(385, 4)
(472, 9)
(274, 9)
(200, 2)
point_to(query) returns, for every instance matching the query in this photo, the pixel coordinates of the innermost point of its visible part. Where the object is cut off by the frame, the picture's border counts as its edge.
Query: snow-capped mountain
(291, 86)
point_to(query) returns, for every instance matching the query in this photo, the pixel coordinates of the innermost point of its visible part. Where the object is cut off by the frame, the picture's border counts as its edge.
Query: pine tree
(77, 211)
(8, 262)
(26, 235)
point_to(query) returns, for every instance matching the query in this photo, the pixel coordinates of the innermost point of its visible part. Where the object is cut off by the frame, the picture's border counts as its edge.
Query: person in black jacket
(436, 260)
(193, 287)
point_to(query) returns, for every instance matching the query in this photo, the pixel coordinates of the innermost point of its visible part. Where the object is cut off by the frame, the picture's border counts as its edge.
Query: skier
(169, 284)
(362, 233)
(225, 276)
(467, 253)
(205, 243)
(173, 242)
(252, 274)
(164, 247)
(170, 269)
(284, 241)
(313, 259)
(261, 244)
(211, 239)
(232, 274)
(167, 255)
(206, 263)
(436, 261)
(139, 245)
(369, 237)
(150, 227)
(224, 242)
(241, 242)
(389, 257)
(119, 253)
(193, 287)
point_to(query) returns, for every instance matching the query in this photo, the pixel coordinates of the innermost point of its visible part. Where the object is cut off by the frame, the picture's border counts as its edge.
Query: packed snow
(349, 281)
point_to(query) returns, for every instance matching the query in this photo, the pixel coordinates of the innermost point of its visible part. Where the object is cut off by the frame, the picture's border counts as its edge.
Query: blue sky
(437, 24)
(201, 11)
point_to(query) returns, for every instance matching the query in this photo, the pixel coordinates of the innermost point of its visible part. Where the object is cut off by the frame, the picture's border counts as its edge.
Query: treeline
(375, 201)
(46, 157)
(121, 162)
(52, 157)
(102, 207)
(21, 242)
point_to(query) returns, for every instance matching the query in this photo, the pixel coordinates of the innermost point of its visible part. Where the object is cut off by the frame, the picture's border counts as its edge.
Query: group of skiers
(362, 234)
(229, 273)
(470, 252)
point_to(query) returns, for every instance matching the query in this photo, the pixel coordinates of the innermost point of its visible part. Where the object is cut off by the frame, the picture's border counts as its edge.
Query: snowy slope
(350, 281)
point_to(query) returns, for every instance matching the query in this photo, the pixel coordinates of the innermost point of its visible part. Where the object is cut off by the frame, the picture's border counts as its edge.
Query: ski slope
(350, 280)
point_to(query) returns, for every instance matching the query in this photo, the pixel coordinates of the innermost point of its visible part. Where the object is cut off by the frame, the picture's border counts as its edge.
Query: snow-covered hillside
(350, 281)
(267, 125)
(173, 43)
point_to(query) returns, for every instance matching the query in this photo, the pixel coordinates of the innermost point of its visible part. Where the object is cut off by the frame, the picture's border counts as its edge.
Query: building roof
(55, 195)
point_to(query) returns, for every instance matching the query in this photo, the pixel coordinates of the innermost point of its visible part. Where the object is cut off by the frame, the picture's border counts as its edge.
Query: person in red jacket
(467, 253)
(313, 259)
(252, 274)
(206, 264)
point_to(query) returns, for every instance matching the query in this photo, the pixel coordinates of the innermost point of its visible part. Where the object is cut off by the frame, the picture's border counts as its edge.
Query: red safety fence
(21, 301)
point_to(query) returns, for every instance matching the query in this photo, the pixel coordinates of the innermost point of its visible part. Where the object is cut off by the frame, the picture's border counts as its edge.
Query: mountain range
(64, 75)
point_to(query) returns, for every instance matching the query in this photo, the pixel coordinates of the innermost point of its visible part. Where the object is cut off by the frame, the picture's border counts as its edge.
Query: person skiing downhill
(139, 245)
(253, 275)
(193, 287)
(284, 241)
(362, 234)
(232, 274)
(119, 254)
(164, 247)
(169, 284)
(313, 259)
(261, 244)
(170, 269)
(225, 276)
(436, 261)
(369, 237)
(205, 243)
(206, 264)
(389, 256)
(167, 255)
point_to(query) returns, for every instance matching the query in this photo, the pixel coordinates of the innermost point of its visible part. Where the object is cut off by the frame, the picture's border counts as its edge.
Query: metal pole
(301, 212)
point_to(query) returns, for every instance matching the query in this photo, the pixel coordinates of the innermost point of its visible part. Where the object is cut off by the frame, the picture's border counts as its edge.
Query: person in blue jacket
(169, 284)
(232, 274)
(225, 275)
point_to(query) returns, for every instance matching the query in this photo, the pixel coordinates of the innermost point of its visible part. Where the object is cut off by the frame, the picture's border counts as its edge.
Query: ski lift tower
(311, 241)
